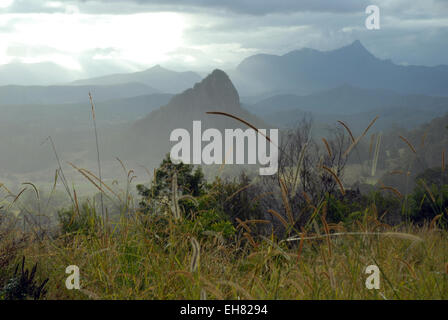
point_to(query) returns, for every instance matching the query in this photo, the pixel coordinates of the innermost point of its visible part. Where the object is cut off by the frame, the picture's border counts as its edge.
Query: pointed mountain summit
(355, 46)
(215, 92)
(355, 50)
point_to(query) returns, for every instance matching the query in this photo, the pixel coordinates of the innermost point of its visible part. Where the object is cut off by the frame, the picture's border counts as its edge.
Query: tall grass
(154, 256)
(136, 261)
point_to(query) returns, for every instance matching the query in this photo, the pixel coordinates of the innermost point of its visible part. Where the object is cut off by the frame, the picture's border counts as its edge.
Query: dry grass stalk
(243, 225)
(327, 146)
(254, 221)
(408, 143)
(434, 220)
(102, 183)
(97, 152)
(236, 192)
(348, 130)
(174, 200)
(406, 236)
(286, 201)
(63, 179)
(377, 154)
(279, 217)
(250, 239)
(410, 268)
(369, 126)
(395, 191)
(196, 254)
(341, 187)
(299, 251)
(87, 177)
(299, 165)
(239, 119)
(433, 199)
(327, 232)
(356, 141)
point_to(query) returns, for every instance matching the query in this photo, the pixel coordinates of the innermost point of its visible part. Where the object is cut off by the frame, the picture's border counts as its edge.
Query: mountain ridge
(307, 70)
(162, 79)
(62, 94)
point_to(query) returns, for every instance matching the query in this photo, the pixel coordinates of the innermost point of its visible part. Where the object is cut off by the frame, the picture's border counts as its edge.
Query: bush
(155, 198)
(353, 204)
(86, 221)
(205, 206)
(427, 202)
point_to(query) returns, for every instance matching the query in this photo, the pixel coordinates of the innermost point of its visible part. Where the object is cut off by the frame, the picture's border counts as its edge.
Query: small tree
(190, 182)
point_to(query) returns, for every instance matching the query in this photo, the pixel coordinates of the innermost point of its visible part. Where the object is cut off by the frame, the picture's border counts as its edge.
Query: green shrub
(86, 221)
(155, 199)
(426, 202)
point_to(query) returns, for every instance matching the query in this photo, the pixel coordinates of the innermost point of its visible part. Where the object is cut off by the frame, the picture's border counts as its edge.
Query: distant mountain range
(50, 74)
(156, 77)
(344, 99)
(299, 72)
(20, 95)
(77, 116)
(355, 105)
(307, 71)
(45, 73)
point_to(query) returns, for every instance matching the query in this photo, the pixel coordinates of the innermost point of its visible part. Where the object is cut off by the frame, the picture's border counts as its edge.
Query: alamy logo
(72, 281)
(373, 281)
(373, 20)
(235, 147)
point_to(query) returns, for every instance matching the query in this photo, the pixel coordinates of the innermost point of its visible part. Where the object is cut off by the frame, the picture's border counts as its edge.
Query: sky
(106, 36)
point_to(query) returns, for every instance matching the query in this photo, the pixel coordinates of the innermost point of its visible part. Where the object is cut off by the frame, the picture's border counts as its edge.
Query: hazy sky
(199, 35)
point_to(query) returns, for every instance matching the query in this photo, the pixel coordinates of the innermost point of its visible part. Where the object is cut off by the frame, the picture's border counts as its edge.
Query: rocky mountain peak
(214, 92)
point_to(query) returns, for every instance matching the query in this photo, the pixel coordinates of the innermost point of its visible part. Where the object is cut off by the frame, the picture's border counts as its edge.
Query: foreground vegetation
(153, 258)
(153, 253)
(297, 235)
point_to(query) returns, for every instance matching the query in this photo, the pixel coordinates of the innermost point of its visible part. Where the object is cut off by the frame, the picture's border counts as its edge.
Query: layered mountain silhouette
(307, 71)
(77, 116)
(341, 100)
(20, 95)
(44, 73)
(347, 99)
(157, 77)
(356, 106)
(214, 93)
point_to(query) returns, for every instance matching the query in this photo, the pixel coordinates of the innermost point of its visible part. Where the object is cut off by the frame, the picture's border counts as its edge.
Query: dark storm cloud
(251, 7)
(229, 30)
(260, 7)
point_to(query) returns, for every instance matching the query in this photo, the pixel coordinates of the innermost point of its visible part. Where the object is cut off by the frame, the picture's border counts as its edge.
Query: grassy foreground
(147, 257)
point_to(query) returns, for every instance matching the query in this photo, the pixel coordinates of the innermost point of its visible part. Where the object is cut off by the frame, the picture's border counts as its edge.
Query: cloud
(261, 7)
(250, 7)
(202, 34)
(5, 3)
(141, 38)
